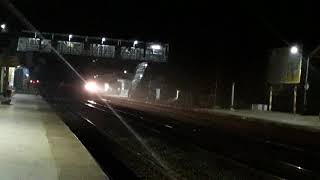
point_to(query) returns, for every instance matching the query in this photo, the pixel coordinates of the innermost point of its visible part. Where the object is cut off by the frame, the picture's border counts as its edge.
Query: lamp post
(70, 37)
(306, 84)
(135, 43)
(294, 50)
(232, 97)
(103, 40)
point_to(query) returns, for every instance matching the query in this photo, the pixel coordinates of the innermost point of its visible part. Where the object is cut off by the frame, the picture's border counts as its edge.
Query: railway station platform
(37, 145)
(307, 122)
(310, 123)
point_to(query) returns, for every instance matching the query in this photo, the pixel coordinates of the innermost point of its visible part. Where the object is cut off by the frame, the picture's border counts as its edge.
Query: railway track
(274, 160)
(270, 159)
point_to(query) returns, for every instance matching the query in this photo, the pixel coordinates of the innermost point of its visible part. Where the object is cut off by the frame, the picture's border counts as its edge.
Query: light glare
(91, 86)
(70, 37)
(294, 50)
(155, 47)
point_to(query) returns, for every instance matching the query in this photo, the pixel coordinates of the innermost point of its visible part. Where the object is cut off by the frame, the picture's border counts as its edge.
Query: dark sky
(197, 31)
(166, 19)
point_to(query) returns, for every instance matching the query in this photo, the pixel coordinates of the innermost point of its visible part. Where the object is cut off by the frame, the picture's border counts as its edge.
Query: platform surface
(37, 145)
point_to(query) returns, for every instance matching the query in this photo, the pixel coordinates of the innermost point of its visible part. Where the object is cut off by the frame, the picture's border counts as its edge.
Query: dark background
(208, 29)
(228, 41)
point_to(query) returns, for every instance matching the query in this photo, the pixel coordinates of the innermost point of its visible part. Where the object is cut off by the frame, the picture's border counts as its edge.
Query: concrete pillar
(270, 99)
(295, 99)
(232, 97)
(6, 79)
(177, 94)
(158, 94)
(2, 74)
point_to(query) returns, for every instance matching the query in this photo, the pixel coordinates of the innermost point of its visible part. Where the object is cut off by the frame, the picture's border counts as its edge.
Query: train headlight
(91, 86)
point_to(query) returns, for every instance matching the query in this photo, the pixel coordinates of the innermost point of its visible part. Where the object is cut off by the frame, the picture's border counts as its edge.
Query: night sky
(198, 25)
(229, 35)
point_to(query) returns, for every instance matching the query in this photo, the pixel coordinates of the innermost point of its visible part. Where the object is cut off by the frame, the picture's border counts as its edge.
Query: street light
(135, 43)
(3, 27)
(125, 72)
(103, 40)
(294, 50)
(70, 37)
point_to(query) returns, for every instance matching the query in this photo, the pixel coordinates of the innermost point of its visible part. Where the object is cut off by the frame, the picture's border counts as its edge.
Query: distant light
(145, 65)
(103, 40)
(70, 37)
(91, 86)
(27, 75)
(3, 26)
(155, 47)
(18, 66)
(294, 50)
(38, 81)
(95, 76)
(31, 81)
(141, 76)
(135, 42)
(125, 72)
(106, 86)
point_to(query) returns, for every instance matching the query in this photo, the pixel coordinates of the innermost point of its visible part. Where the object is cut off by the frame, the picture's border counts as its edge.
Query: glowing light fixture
(70, 37)
(135, 43)
(103, 40)
(91, 86)
(294, 50)
(155, 47)
(3, 26)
